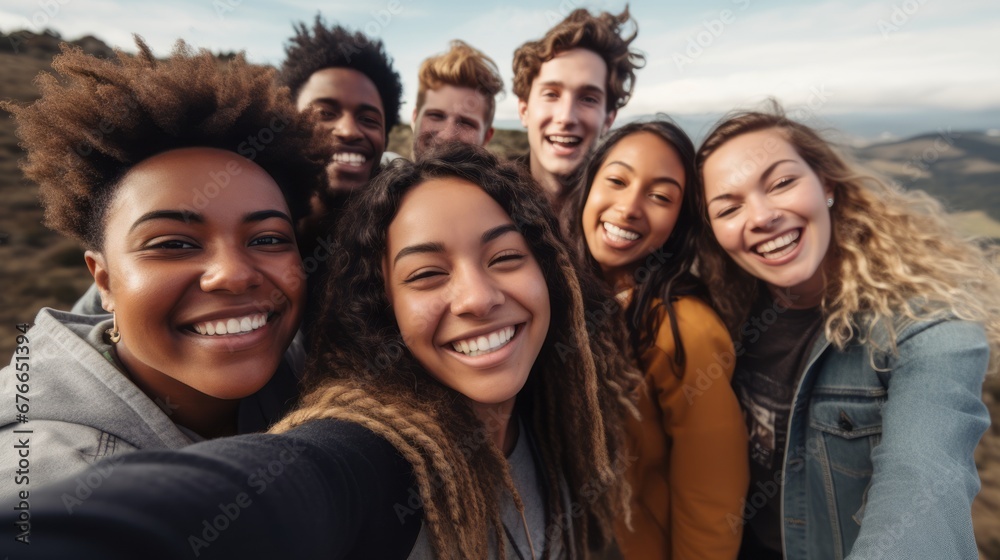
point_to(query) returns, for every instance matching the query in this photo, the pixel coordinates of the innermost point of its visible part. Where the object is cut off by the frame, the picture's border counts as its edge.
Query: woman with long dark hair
(635, 224)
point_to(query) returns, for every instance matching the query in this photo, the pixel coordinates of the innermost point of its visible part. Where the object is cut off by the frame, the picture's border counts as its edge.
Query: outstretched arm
(924, 476)
(327, 489)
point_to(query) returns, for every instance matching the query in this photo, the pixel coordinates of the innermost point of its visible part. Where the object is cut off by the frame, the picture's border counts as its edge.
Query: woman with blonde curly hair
(864, 327)
(465, 404)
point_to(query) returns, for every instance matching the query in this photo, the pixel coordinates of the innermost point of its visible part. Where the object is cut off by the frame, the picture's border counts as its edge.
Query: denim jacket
(879, 457)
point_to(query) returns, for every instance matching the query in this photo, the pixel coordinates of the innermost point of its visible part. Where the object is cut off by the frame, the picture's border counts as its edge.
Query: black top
(777, 342)
(254, 496)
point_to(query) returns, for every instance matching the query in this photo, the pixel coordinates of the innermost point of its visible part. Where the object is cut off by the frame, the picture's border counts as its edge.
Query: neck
(554, 186)
(500, 423)
(207, 416)
(798, 298)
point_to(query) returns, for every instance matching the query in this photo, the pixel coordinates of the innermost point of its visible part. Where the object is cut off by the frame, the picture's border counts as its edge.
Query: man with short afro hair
(348, 80)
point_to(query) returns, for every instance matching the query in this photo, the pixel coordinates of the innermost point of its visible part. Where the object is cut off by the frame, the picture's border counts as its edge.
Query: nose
(232, 271)
(565, 111)
(628, 204)
(474, 292)
(449, 131)
(763, 214)
(346, 128)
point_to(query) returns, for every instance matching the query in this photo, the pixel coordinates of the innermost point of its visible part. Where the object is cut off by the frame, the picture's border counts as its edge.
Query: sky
(924, 63)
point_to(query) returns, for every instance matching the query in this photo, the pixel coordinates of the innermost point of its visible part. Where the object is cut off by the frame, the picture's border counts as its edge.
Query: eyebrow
(669, 180)
(189, 217)
(175, 215)
(336, 102)
(767, 172)
(262, 215)
(588, 87)
(434, 247)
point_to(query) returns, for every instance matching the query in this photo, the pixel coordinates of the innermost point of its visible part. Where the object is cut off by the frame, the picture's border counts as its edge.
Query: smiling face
(450, 114)
(348, 105)
(201, 269)
(768, 212)
(633, 204)
(469, 298)
(565, 113)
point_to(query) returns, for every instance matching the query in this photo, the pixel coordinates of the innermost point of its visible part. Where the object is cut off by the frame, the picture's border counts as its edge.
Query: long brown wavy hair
(892, 254)
(573, 402)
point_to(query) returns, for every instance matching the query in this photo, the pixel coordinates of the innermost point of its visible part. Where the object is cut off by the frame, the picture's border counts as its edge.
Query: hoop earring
(829, 202)
(113, 333)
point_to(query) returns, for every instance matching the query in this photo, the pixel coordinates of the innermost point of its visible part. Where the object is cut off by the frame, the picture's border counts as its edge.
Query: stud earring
(829, 202)
(113, 332)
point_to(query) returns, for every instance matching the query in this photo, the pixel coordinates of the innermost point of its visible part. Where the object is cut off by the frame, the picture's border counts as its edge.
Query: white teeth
(623, 234)
(779, 243)
(235, 325)
(348, 157)
(484, 344)
(565, 139)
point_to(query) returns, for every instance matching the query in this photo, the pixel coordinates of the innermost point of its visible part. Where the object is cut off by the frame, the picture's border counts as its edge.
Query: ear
(413, 120)
(608, 121)
(522, 111)
(489, 135)
(98, 267)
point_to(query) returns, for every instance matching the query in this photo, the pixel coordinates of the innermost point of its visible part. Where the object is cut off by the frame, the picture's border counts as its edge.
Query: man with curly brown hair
(570, 85)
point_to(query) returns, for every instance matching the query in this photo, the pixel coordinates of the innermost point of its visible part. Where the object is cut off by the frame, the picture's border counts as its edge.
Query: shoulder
(940, 333)
(697, 323)
(52, 450)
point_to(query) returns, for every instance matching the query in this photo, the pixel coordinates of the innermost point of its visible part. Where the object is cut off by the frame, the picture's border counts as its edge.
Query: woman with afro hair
(183, 179)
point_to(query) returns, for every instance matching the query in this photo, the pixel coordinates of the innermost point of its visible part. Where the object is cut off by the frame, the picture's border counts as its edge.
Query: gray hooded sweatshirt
(81, 408)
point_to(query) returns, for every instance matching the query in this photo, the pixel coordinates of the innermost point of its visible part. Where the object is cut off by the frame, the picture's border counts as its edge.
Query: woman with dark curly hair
(864, 327)
(182, 179)
(457, 380)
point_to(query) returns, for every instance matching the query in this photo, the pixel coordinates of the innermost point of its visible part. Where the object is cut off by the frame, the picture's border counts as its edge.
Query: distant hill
(960, 168)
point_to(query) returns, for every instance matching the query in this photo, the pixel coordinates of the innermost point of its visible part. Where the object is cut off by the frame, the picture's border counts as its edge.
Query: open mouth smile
(779, 246)
(232, 326)
(486, 343)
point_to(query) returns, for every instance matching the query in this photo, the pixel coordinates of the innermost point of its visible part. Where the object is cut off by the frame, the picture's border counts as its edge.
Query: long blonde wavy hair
(892, 254)
(573, 404)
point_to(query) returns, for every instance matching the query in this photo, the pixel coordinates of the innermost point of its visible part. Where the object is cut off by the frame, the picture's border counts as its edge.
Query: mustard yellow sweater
(689, 470)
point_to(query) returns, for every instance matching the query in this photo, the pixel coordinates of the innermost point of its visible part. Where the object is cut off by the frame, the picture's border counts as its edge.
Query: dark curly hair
(336, 47)
(101, 117)
(576, 397)
(581, 30)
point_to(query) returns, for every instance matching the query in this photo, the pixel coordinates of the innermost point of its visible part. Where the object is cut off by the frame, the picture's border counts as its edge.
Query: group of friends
(298, 345)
